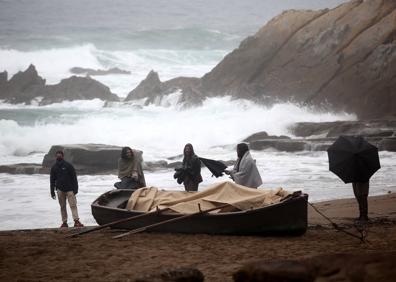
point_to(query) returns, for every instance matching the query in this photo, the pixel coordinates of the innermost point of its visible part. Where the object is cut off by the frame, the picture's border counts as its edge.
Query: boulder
(87, 158)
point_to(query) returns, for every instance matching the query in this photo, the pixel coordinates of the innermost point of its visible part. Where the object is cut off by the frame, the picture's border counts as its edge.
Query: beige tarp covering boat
(237, 196)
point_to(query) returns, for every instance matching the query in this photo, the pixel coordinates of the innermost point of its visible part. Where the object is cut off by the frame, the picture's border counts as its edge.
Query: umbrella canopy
(353, 159)
(216, 167)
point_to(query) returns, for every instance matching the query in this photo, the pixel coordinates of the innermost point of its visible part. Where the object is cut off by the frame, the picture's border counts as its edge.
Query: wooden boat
(288, 217)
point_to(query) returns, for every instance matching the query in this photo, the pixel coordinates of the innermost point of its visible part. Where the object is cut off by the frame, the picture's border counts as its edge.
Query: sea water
(174, 38)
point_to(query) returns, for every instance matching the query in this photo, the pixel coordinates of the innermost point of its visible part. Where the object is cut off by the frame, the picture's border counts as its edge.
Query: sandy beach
(47, 255)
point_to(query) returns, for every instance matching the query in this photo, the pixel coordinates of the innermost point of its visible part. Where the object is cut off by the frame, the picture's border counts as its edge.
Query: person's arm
(52, 182)
(244, 170)
(73, 177)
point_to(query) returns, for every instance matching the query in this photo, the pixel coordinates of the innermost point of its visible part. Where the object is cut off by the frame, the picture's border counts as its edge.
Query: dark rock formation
(3, 82)
(86, 158)
(78, 88)
(341, 59)
(331, 267)
(27, 86)
(24, 169)
(23, 86)
(154, 90)
(88, 71)
(319, 136)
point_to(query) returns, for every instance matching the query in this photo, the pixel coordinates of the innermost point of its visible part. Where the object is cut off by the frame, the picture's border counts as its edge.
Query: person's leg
(364, 190)
(71, 198)
(73, 206)
(62, 204)
(360, 189)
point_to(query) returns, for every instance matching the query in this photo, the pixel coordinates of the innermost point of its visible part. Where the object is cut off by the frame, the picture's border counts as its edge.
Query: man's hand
(135, 176)
(53, 196)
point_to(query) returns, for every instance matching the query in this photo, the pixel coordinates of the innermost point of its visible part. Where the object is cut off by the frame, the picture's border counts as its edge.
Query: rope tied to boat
(361, 229)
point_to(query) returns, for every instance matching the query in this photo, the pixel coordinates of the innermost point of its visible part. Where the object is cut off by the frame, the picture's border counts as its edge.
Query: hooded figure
(245, 171)
(130, 169)
(192, 169)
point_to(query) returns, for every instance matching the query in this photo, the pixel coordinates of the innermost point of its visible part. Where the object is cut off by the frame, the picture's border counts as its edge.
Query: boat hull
(285, 218)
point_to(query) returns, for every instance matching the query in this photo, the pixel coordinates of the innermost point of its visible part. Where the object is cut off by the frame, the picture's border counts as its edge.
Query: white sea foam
(159, 130)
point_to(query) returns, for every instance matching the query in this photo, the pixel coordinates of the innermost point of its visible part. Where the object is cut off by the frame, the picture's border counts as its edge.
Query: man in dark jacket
(63, 179)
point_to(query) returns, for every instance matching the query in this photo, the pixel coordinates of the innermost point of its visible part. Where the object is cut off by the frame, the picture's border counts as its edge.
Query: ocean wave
(160, 130)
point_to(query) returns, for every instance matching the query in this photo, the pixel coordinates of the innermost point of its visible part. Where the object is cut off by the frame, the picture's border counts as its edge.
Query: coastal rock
(77, 88)
(263, 135)
(28, 86)
(87, 158)
(88, 71)
(23, 87)
(377, 266)
(3, 81)
(154, 91)
(368, 128)
(343, 59)
(319, 136)
(24, 168)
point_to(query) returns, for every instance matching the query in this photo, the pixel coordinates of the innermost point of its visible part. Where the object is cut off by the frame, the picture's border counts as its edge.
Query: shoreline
(35, 254)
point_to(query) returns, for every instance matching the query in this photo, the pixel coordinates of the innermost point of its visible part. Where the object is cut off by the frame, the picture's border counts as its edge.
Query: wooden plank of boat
(145, 228)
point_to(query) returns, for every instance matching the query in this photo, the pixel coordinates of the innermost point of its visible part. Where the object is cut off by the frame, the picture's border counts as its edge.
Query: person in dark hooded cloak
(191, 168)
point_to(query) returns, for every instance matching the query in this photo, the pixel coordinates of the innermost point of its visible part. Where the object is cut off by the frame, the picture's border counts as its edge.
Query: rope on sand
(361, 229)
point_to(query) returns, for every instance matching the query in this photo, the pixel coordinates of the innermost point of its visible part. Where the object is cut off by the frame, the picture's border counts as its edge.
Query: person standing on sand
(63, 179)
(245, 171)
(191, 168)
(361, 190)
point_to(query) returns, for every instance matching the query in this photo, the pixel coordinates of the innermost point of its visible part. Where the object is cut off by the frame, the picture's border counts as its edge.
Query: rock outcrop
(93, 72)
(23, 86)
(311, 136)
(153, 90)
(28, 86)
(78, 88)
(341, 59)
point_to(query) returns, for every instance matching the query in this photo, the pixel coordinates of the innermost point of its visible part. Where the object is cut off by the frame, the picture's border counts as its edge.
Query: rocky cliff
(340, 59)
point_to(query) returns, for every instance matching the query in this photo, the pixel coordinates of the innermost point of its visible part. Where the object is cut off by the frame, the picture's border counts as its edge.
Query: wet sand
(47, 255)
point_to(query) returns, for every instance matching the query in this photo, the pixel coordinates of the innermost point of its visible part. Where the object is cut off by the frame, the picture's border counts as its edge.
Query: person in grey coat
(245, 171)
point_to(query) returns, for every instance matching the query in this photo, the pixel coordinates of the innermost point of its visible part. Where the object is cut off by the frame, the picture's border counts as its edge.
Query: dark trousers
(190, 185)
(361, 190)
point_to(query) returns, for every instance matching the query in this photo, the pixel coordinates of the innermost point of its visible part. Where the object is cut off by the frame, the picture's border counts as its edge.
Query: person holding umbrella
(355, 160)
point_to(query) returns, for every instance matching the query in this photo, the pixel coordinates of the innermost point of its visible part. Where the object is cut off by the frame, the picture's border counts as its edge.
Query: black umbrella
(216, 167)
(353, 159)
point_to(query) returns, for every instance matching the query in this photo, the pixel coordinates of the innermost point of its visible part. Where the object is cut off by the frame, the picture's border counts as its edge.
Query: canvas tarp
(237, 196)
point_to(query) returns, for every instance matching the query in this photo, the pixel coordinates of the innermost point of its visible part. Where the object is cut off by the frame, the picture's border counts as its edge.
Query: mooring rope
(362, 231)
